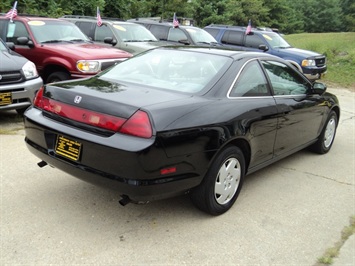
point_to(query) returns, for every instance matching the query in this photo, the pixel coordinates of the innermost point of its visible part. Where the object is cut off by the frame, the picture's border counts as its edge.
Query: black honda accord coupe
(177, 120)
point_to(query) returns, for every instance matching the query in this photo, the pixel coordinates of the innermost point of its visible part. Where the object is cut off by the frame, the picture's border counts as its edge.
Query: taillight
(137, 125)
(38, 98)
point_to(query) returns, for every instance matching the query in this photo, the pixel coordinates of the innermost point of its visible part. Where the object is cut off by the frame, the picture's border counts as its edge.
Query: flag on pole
(248, 30)
(98, 16)
(175, 21)
(12, 13)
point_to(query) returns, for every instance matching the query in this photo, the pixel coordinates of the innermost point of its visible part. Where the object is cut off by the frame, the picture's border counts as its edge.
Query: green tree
(348, 11)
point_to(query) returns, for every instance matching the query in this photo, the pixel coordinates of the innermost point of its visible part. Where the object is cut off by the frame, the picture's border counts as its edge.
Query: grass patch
(333, 252)
(340, 52)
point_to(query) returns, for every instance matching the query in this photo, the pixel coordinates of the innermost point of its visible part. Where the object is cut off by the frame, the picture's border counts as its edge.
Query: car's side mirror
(263, 47)
(110, 40)
(319, 88)
(11, 45)
(184, 41)
(25, 41)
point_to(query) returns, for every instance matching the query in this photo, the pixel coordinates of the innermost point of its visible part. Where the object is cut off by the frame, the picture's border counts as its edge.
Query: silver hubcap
(227, 181)
(329, 133)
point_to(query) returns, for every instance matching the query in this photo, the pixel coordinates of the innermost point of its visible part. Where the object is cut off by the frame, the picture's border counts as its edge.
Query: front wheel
(326, 138)
(57, 76)
(222, 183)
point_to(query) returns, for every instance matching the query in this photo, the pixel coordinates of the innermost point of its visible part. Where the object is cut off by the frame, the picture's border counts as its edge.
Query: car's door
(300, 113)
(250, 95)
(18, 29)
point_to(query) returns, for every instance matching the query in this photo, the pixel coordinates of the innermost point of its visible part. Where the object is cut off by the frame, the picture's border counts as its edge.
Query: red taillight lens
(38, 99)
(88, 117)
(138, 125)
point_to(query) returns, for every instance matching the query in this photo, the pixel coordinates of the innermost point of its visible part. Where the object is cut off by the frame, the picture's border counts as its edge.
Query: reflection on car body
(153, 128)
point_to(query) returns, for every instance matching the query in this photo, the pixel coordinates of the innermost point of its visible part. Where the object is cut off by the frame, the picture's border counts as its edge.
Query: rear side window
(160, 32)
(233, 37)
(251, 82)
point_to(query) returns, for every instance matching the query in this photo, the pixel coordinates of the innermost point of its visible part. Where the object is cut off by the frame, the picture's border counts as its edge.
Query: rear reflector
(137, 125)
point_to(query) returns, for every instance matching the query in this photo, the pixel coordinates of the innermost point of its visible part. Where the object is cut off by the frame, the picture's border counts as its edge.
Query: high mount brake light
(137, 125)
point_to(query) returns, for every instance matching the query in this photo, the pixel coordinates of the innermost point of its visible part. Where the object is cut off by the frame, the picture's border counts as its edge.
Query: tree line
(289, 16)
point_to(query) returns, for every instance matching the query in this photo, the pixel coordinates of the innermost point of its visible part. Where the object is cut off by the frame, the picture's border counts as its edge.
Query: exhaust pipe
(42, 164)
(125, 200)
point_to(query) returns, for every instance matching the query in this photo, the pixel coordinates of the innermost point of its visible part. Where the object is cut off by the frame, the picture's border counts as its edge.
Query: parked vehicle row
(311, 64)
(59, 49)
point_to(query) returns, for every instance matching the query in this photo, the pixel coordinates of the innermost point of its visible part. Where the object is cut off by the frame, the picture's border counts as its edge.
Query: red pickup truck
(59, 49)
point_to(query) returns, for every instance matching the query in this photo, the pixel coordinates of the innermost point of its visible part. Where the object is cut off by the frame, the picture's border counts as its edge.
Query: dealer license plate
(68, 148)
(5, 98)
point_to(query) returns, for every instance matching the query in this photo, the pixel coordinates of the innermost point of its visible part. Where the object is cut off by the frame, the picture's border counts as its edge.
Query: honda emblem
(77, 99)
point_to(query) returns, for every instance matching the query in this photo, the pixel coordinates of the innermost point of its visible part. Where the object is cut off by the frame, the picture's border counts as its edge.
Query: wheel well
(245, 147)
(296, 65)
(53, 68)
(337, 111)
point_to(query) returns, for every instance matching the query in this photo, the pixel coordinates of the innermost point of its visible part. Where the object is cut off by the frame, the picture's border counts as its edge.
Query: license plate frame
(68, 148)
(5, 98)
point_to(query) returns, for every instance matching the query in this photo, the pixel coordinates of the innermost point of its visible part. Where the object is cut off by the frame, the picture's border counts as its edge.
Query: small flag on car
(98, 16)
(175, 21)
(12, 13)
(248, 30)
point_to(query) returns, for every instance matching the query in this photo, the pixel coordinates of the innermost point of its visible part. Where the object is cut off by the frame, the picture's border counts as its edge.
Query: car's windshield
(275, 40)
(200, 36)
(133, 33)
(51, 31)
(170, 69)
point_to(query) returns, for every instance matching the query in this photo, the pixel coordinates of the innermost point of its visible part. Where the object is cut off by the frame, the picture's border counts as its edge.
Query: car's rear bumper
(134, 174)
(137, 190)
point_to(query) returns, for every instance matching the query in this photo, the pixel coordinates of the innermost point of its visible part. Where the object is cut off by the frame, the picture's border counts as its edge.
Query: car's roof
(32, 18)
(219, 51)
(90, 18)
(240, 28)
(155, 22)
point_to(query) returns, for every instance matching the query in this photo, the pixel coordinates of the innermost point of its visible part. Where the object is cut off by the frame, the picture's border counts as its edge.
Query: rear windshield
(178, 70)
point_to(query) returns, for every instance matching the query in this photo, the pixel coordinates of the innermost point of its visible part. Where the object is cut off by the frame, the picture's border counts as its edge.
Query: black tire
(326, 138)
(57, 76)
(207, 196)
(21, 110)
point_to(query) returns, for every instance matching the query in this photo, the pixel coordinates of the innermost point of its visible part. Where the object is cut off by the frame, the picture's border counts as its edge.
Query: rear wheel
(222, 183)
(326, 138)
(57, 76)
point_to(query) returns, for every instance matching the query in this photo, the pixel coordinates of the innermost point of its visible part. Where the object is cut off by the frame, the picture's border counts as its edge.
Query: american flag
(248, 30)
(12, 13)
(175, 21)
(98, 16)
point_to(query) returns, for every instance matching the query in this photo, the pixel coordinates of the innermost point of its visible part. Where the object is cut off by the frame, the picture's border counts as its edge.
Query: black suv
(127, 36)
(19, 80)
(188, 35)
(311, 64)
